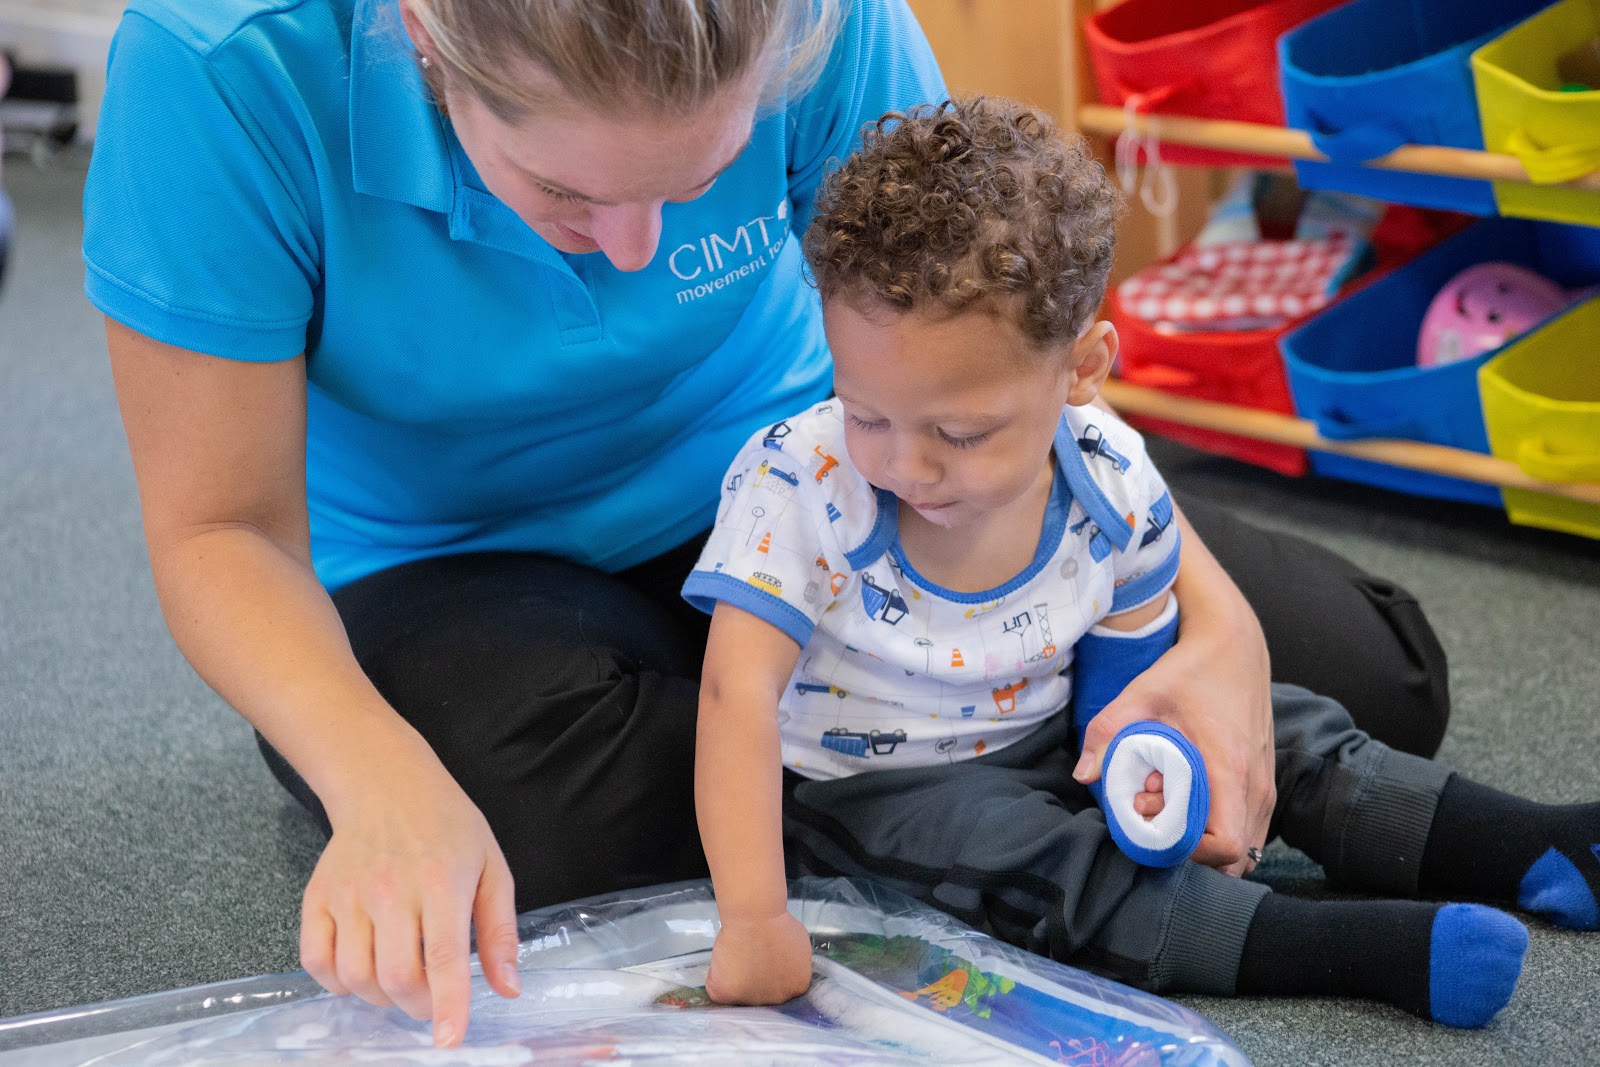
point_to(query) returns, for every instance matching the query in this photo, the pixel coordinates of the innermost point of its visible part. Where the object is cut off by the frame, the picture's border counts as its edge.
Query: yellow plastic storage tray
(1555, 134)
(1541, 405)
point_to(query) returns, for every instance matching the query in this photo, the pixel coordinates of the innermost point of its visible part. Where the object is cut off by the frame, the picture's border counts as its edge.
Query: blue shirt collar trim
(399, 148)
(1050, 535)
(1087, 491)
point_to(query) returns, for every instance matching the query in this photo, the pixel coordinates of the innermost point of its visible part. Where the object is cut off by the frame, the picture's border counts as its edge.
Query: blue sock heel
(1555, 889)
(1104, 662)
(1489, 845)
(1474, 961)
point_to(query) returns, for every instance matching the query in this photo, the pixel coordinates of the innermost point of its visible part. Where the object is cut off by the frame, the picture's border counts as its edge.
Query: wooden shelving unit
(1279, 141)
(1296, 144)
(1302, 433)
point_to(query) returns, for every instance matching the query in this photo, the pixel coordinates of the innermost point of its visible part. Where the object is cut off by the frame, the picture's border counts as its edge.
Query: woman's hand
(1215, 691)
(386, 914)
(1215, 687)
(760, 961)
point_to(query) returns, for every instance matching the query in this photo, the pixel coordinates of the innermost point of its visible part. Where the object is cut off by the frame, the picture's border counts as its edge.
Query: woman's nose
(627, 233)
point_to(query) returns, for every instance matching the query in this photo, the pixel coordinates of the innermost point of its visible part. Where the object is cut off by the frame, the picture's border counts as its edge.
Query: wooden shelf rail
(1288, 430)
(1257, 139)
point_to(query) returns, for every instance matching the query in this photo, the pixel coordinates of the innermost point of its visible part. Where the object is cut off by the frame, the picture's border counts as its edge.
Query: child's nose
(909, 464)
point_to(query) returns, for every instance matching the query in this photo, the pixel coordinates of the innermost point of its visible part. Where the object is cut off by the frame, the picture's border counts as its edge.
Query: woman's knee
(1337, 630)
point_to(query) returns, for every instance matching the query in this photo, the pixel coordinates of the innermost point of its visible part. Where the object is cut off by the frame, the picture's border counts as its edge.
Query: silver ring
(1254, 854)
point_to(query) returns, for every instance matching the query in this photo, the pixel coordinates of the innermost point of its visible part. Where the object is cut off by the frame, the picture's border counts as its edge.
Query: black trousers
(563, 700)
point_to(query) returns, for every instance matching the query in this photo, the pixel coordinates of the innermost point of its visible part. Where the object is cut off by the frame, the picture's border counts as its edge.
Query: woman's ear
(414, 29)
(1093, 354)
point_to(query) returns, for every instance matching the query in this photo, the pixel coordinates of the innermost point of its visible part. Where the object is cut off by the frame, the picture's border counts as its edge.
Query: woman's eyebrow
(558, 187)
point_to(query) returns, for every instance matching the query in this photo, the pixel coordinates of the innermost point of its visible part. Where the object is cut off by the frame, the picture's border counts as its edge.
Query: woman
(433, 325)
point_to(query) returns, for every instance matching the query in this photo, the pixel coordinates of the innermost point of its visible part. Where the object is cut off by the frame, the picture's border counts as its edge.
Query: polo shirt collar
(398, 146)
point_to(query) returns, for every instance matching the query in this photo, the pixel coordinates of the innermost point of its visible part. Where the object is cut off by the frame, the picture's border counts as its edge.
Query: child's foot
(1489, 845)
(1456, 964)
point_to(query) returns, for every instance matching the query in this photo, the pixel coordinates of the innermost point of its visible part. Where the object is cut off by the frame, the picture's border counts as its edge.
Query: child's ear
(1093, 354)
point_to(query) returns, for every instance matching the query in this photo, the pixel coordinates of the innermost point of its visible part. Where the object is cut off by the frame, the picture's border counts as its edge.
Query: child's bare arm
(762, 955)
(1144, 613)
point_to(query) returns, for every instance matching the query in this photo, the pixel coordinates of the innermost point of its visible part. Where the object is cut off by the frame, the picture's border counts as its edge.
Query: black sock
(1455, 963)
(1489, 845)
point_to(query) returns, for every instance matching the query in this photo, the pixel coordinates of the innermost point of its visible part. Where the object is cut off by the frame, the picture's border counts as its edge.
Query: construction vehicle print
(1032, 629)
(766, 469)
(767, 583)
(1160, 519)
(880, 603)
(817, 687)
(1005, 700)
(1093, 443)
(834, 514)
(775, 436)
(983, 608)
(1099, 543)
(968, 710)
(823, 465)
(856, 743)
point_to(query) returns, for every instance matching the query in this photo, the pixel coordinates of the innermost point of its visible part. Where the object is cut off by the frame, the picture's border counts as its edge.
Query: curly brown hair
(977, 201)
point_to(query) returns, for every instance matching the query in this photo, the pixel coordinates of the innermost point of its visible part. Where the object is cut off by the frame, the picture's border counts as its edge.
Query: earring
(424, 61)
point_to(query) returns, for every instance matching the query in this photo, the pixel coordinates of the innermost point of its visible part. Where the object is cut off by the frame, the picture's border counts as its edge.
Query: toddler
(916, 586)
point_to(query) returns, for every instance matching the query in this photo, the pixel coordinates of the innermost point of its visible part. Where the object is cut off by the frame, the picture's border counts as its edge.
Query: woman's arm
(218, 450)
(762, 954)
(1214, 686)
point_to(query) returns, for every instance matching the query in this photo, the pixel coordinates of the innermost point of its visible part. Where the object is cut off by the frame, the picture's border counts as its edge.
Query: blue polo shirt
(270, 178)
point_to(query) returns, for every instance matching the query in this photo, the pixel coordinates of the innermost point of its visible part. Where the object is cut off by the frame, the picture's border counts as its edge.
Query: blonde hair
(668, 55)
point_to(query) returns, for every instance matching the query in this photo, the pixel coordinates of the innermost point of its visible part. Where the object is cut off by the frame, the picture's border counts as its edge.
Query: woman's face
(587, 182)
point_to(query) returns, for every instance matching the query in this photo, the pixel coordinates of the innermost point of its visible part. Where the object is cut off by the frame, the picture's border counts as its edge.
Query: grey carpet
(143, 846)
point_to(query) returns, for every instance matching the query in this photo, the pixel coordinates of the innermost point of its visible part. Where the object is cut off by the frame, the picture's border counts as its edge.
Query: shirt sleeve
(774, 551)
(198, 230)
(880, 62)
(1133, 500)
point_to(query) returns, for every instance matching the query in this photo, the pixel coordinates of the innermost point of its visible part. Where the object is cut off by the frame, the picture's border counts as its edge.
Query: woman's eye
(856, 420)
(555, 194)
(966, 442)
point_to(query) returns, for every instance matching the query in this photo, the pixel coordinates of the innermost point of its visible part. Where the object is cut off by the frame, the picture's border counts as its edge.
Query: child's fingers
(1153, 782)
(1149, 804)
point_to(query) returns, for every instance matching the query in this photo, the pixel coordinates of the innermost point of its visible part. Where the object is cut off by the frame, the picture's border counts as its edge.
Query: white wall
(74, 33)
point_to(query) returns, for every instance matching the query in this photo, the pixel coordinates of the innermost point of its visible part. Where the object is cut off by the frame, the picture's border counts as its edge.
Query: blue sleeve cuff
(230, 339)
(1150, 584)
(704, 589)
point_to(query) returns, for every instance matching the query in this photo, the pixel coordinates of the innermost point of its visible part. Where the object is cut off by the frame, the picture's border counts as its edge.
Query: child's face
(955, 414)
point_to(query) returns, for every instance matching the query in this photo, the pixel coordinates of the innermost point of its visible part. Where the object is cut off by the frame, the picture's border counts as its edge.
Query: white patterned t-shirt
(895, 671)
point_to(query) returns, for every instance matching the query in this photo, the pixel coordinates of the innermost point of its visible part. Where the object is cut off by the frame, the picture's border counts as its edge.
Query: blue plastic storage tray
(1352, 368)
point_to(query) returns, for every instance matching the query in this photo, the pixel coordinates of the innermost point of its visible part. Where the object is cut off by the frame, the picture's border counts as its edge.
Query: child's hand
(760, 961)
(1151, 802)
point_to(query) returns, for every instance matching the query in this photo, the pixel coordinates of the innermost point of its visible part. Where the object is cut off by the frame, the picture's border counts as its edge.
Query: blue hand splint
(1103, 665)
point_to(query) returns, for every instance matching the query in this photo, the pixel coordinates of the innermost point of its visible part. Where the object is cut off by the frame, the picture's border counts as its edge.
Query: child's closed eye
(966, 441)
(869, 425)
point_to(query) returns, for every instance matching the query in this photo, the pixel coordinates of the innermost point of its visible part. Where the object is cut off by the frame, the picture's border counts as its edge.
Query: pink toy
(1482, 308)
